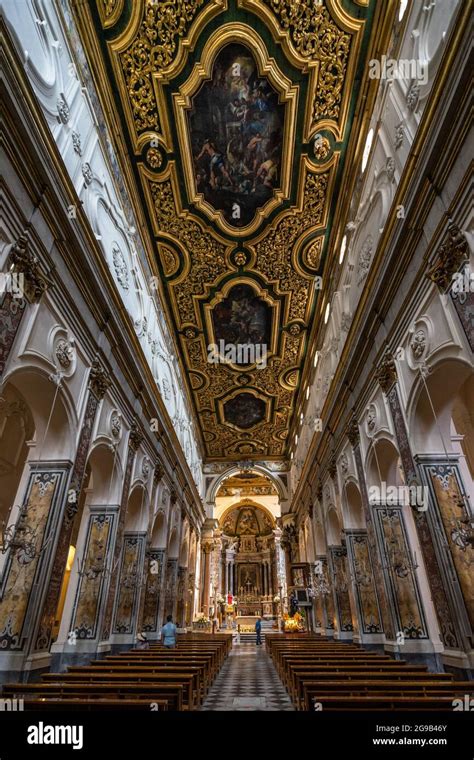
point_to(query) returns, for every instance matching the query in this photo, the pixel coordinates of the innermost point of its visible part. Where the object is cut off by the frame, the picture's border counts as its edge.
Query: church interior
(236, 357)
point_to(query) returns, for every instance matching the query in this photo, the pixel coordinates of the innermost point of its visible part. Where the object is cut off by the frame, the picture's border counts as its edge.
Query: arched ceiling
(247, 484)
(231, 121)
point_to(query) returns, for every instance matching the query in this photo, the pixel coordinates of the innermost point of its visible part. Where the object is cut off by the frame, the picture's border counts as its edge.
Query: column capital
(158, 473)
(26, 263)
(173, 496)
(353, 432)
(136, 437)
(451, 255)
(99, 380)
(332, 468)
(386, 372)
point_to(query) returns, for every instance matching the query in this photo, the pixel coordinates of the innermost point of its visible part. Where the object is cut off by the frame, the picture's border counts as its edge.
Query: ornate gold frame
(264, 296)
(268, 401)
(202, 71)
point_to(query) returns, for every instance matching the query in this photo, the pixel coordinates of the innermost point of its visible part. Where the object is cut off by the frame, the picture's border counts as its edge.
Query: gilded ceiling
(235, 115)
(247, 484)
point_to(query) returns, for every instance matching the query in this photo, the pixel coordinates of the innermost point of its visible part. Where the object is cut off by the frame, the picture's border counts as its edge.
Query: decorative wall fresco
(154, 576)
(399, 572)
(244, 410)
(129, 583)
(457, 527)
(445, 611)
(171, 580)
(242, 318)
(92, 581)
(338, 558)
(375, 547)
(42, 493)
(236, 130)
(364, 584)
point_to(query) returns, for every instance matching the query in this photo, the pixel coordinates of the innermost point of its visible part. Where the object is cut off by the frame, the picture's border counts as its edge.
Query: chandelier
(19, 538)
(319, 587)
(95, 567)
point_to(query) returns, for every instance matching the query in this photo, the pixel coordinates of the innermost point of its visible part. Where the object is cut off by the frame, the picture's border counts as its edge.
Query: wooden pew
(92, 705)
(110, 679)
(83, 691)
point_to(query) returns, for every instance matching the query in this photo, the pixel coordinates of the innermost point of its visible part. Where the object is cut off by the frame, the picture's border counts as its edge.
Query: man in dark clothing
(258, 631)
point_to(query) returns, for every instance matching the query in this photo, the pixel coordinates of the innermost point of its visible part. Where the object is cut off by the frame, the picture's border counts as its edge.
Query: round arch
(235, 470)
(248, 503)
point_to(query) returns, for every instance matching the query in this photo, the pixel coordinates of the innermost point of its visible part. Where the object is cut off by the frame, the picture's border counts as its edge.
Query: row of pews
(154, 679)
(326, 675)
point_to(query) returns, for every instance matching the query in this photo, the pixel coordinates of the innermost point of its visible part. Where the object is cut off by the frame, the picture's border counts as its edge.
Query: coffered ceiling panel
(235, 117)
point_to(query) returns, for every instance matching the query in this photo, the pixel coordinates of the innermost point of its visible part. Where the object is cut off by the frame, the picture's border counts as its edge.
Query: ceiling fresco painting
(242, 319)
(235, 115)
(244, 410)
(236, 127)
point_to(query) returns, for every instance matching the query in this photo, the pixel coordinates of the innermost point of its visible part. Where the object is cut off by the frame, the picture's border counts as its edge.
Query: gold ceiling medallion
(323, 40)
(109, 12)
(240, 197)
(312, 253)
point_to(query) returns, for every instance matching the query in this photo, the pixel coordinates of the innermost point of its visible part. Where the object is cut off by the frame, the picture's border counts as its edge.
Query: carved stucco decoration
(418, 343)
(120, 266)
(159, 55)
(451, 254)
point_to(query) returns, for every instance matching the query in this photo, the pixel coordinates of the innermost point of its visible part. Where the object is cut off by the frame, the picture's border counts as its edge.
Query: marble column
(450, 273)
(374, 548)
(345, 603)
(447, 614)
(99, 382)
(36, 524)
(135, 438)
(24, 269)
(365, 591)
(149, 596)
(206, 576)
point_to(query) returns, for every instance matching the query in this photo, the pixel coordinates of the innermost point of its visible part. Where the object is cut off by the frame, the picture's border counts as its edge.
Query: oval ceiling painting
(236, 129)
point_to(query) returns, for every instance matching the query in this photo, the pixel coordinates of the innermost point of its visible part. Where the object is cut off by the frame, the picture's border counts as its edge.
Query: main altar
(249, 571)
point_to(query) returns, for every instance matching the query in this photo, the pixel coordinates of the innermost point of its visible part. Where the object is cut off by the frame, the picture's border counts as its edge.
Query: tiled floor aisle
(248, 681)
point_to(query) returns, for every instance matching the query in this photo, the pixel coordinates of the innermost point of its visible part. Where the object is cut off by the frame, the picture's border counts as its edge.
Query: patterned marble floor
(248, 681)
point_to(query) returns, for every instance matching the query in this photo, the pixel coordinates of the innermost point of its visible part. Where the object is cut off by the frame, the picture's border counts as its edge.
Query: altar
(246, 623)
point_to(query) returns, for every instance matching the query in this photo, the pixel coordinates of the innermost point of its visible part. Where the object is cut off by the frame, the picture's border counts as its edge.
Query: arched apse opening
(333, 528)
(173, 545)
(136, 517)
(320, 540)
(16, 429)
(442, 418)
(53, 412)
(158, 535)
(310, 551)
(449, 387)
(383, 465)
(354, 517)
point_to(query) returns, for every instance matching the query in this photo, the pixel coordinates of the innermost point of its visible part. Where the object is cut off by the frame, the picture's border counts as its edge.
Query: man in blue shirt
(258, 630)
(168, 633)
